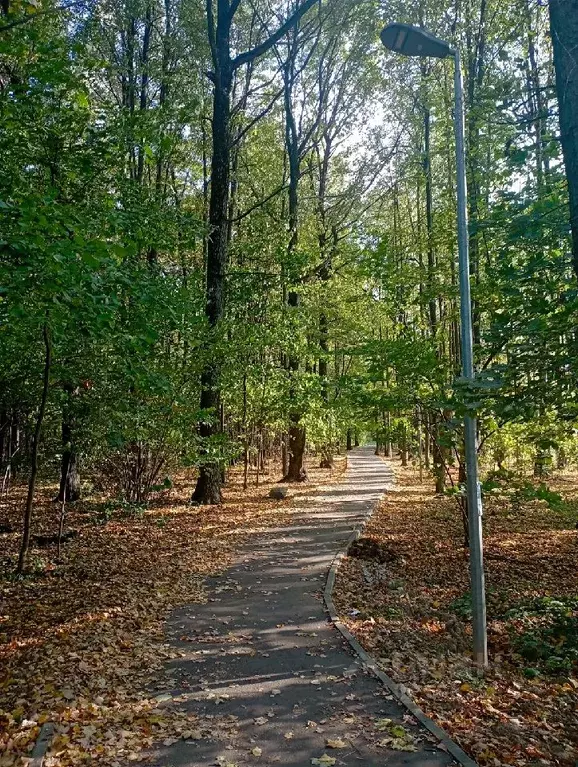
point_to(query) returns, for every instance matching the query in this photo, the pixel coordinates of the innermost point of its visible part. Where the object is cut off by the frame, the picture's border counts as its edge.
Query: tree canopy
(230, 229)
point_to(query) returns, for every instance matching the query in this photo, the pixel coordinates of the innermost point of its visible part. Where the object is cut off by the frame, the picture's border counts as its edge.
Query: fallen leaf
(335, 743)
(261, 720)
(324, 761)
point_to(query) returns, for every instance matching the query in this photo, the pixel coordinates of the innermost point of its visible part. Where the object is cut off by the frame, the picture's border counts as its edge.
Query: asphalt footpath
(271, 679)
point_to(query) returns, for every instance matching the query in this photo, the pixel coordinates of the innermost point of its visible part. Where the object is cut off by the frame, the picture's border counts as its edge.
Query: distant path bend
(263, 650)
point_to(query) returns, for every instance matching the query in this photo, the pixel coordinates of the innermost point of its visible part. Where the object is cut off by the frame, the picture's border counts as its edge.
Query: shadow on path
(264, 668)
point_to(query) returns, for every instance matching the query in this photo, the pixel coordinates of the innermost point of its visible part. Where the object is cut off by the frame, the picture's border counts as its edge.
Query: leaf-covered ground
(410, 610)
(81, 640)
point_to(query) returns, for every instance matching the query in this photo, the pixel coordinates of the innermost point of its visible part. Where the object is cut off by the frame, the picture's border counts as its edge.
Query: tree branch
(259, 204)
(259, 50)
(211, 35)
(25, 19)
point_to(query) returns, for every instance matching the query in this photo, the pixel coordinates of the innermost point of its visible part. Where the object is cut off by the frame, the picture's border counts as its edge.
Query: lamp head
(414, 41)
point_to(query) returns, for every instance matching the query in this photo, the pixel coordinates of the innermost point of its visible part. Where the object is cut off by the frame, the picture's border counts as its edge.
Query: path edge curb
(369, 661)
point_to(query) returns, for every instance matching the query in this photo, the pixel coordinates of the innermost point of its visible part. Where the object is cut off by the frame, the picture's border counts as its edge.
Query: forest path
(271, 678)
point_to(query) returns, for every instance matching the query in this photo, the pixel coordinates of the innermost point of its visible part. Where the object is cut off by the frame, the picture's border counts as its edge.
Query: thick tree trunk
(208, 489)
(69, 477)
(296, 471)
(349, 445)
(564, 31)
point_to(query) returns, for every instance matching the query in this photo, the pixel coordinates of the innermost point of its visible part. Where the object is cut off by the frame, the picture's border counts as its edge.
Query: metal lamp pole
(415, 41)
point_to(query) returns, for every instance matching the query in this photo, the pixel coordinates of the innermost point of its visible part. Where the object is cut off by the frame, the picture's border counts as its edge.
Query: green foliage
(529, 492)
(462, 606)
(105, 136)
(545, 633)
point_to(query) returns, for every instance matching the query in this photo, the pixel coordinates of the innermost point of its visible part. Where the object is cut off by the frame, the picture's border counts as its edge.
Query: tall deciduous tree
(208, 488)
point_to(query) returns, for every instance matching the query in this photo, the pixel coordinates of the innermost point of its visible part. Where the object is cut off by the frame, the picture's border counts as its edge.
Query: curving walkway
(270, 676)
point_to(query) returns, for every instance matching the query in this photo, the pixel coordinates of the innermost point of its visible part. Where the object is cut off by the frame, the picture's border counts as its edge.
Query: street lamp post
(415, 41)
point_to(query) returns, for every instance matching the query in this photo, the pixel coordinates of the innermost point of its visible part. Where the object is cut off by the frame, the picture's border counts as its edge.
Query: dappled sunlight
(90, 626)
(413, 614)
(262, 651)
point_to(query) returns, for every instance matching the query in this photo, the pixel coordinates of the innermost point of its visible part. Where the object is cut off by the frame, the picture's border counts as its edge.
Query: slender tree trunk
(349, 445)
(62, 515)
(426, 440)
(476, 71)
(296, 471)
(284, 454)
(327, 449)
(438, 456)
(429, 214)
(69, 476)
(25, 543)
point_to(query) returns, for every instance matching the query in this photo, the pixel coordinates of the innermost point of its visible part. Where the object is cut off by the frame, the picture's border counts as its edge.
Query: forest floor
(81, 640)
(412, 610)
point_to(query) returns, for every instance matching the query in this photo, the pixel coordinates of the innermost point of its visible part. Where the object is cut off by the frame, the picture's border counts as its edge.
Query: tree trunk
(296, 471)
(327, 449)
(208, 489)
(564, 31)
(403, 454)
(463, 501)
(356, 443)
(284, 454)
(69, 489)
(69, 477)
(349, 445)
(475, 77)
(388, 448)
(25, 543)
(429, 213)
(438, 457)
